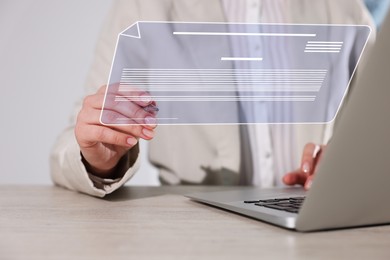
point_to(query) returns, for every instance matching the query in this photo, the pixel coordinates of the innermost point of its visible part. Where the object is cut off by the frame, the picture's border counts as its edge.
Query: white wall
(46, 47)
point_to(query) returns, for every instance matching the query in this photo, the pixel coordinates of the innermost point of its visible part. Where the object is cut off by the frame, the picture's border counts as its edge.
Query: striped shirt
(271, 146)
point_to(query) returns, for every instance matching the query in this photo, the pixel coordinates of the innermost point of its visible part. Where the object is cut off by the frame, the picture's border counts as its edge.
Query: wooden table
(43, 222)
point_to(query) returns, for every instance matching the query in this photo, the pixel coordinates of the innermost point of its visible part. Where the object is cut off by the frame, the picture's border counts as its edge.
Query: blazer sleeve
(66, 166)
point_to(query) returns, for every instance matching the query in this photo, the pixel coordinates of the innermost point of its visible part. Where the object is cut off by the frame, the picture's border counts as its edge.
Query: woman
(97, 159)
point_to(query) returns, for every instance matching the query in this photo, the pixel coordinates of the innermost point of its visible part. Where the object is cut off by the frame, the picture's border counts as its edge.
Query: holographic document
(226, 73)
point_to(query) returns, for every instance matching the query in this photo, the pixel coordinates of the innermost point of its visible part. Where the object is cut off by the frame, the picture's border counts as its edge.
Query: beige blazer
(184, 154)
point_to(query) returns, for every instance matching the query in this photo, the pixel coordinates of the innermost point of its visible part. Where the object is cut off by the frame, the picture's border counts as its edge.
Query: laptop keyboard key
(251, 201)
(291, 205)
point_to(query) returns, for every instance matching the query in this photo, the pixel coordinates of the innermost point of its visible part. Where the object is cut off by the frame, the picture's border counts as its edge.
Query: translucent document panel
(215, 73)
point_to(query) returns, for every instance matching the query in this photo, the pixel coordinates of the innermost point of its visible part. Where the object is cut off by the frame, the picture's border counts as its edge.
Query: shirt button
(268, 155)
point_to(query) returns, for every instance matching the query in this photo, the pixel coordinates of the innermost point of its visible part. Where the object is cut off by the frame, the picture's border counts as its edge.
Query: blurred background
(46, 47)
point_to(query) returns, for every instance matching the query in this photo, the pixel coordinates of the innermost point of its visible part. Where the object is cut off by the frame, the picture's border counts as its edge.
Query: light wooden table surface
(43, 222)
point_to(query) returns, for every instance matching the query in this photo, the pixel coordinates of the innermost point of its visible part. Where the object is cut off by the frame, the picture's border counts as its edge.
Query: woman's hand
(103, 146)
(304, 175)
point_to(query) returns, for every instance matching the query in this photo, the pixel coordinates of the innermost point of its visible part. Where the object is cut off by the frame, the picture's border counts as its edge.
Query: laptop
(352, 183)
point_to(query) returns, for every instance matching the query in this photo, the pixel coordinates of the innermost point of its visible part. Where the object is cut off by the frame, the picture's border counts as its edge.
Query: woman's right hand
(103, 146)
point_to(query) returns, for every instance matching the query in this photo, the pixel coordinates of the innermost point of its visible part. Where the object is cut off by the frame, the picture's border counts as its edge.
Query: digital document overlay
(224, 73)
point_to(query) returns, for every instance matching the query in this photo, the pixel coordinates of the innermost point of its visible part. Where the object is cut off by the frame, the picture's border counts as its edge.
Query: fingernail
(148, 133)
(150, 121)
(146, 99)
(131, 141)
(306, 167)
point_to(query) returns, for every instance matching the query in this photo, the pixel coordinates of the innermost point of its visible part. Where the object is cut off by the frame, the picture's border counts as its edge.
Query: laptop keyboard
(291, 205)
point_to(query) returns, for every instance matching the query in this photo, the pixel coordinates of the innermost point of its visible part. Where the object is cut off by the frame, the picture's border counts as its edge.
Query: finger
(145, 106)
(130, 93)
(309, 182)
(102, 134)
(307, 161)
(318, 157)
(294, 178)
(128, 113)
(102, 89)
(94, 101)
(141, 97)
(130, 110)
(135, 116)
(89, 116)
(318, 153)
